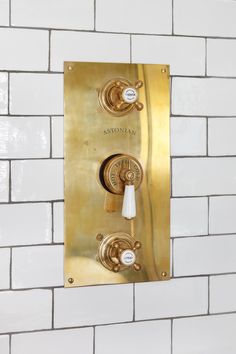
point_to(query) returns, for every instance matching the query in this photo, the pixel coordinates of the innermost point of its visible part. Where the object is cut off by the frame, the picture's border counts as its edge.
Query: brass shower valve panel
(117, 173)
(119, 97)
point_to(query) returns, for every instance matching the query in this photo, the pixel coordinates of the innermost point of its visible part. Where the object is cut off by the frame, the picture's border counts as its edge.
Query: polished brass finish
(119, 97)
(118, 170)
(71, 280)
(92, 135)
(113, 247)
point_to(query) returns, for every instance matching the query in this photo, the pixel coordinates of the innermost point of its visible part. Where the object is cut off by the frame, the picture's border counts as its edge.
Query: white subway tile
(4, 181)
(189, 217)
(223, 293)
(36, 94)
(186, 56)
(93, 305)
(25, 224)
(4, 344)
(37, 266)
(4, 269)
(207, 97)
(134, 16)
(58, 218)
(205, 335)
(75, 46)
(4, 12)
(205, 17)
(204, 176)
(204, 255)
(37, 180)
(177, 297)
(23, 49)
(25, 310)
(57, 137)
(71, 341)
(222, 215)
(71, 14)
(221, 136)
(24, 137)
(134, 338)
(188, 136)
(3, 92)
(221, 57)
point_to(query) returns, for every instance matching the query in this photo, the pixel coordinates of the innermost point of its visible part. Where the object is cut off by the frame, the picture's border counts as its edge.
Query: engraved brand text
(119, 130)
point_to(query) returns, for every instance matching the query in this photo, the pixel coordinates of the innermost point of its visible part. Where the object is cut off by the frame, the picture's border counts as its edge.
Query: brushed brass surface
(91, 135)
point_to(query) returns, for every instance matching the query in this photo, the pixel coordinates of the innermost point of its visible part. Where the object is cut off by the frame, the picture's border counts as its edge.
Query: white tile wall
(4, 344)
(205, 335)
(186, 56)
(222, 215)
(221, 57)
(4, 12)
(25, 310)
(134, 338)
(43, 13)
(25, 224)
(58, 215)
(36, 94)
(205, 17)
(37, 180)
(200, 96)
(178, 297)
(189, 217)
(24, 137)
(204, 176)
(204, 255)
(37, 266)
(4, 268)
(71, 341)
(57, 137)
(93, 305)
(4, 181)
(188, 136)
(221, 136)
(44, 33)
(75, 46)
(223, 293)
(3, 93)
(134, 16)
(24, 49)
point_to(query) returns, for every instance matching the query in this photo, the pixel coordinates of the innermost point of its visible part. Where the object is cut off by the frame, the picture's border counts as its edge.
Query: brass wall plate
(92, 134)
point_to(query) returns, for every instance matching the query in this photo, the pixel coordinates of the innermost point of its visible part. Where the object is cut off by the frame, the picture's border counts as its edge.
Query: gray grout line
(172, 240)
(119, 33)
(50, 134)
(207, 137)
(10, 270)
(10, 341)
(208, 215)
(94, 338)
(208, 298)
(219, 314)
(49, 50)
(8, 93)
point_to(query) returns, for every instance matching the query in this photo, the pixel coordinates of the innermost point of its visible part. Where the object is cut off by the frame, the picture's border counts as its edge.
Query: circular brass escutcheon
(117, 252)
(120, 169)
(119, 97)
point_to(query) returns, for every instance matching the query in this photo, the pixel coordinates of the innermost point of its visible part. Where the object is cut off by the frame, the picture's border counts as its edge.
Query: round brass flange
(119, 169)
(119, 97)
(117, 251)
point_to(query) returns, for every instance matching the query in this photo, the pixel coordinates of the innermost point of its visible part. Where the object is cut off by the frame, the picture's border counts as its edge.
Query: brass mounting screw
(99, 237)
(163, 70)
(163, 274)
(70, 68)
(70, 280)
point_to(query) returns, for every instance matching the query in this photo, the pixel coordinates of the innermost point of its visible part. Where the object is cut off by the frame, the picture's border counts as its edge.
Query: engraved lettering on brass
(119, 130)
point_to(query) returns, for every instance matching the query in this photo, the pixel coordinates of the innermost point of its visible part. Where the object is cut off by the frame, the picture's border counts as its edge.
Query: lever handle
(129, 204)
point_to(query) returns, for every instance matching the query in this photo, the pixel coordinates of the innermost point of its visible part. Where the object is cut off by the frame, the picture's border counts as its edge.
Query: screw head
(70, 68)
(163, 274)
(163, 70)
(70, 280)
(99, 237)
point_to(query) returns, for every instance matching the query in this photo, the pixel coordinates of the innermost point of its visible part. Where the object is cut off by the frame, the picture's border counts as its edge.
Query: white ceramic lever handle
(129, 204)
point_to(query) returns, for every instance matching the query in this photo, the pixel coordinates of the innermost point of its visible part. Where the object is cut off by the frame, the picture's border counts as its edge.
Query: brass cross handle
(118, 251)
(119, 97)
